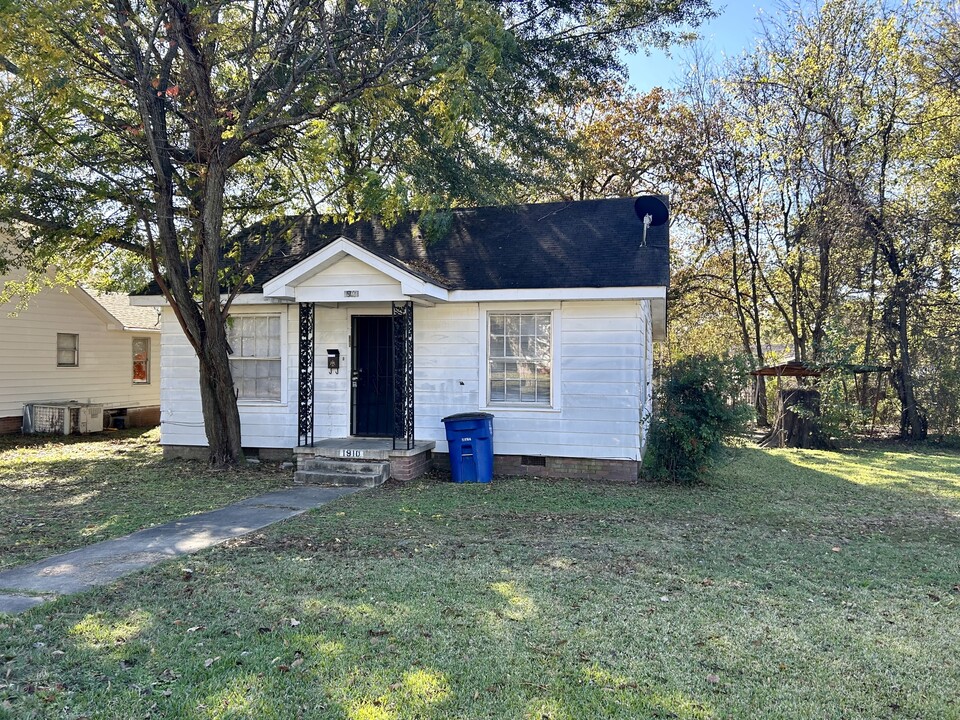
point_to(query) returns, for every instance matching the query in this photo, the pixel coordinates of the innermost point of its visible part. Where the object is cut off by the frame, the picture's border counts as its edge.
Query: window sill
(519, 408)
(260, 403)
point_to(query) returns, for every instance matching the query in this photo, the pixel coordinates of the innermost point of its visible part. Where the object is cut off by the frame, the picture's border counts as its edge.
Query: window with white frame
(141, 361)
(519, 360)
(255, 359)
(68, 350)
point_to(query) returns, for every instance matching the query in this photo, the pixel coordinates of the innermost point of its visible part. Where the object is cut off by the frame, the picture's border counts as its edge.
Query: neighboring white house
(70, 345)
(544, 315)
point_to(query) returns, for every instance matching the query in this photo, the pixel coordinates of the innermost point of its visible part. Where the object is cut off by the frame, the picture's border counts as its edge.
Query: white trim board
(652, 292)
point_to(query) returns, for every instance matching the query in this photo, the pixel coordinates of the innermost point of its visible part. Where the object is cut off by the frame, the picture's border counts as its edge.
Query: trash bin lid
(468, 416)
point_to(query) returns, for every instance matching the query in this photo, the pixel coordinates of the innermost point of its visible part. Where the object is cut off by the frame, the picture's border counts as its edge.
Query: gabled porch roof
(288, 285)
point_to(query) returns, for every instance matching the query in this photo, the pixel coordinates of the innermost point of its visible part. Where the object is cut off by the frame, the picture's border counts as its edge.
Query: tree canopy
(817, 179)
(159, 128)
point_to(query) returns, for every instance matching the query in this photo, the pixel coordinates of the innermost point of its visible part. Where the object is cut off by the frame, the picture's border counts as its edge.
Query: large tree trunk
(760, 402)
(913, 421)
(221, 418)
(797, 429)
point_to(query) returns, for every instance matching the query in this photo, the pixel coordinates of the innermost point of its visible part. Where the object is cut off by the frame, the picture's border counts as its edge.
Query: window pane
(268, 379)
(233, 334)
(543, 388)
(519, 358)
(261, 332)
(528, 324)
(543, 325)
(67, 349)
(529, 346)
(66, 341)
(254, 338)
(141, 360)
(248, 342)
(273, 350)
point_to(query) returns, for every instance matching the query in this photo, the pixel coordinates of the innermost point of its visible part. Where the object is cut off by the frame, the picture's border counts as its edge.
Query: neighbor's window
(255, 359)
(68, 350)
(518, 358)
(141, 361)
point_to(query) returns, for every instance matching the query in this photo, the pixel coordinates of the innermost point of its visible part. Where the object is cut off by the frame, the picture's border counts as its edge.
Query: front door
(372, 378)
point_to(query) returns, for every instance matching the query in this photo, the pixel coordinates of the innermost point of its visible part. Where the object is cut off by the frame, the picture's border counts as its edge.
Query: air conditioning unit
(62, 418)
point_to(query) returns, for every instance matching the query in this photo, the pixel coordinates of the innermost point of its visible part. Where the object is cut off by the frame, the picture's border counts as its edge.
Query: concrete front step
(348, 467)
(342, 473)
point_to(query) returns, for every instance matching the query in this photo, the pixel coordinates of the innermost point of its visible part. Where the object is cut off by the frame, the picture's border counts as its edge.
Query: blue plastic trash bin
(470, 437)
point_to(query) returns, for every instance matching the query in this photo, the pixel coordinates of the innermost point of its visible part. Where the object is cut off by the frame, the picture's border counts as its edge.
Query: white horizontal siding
(28, 356)
(269, 425)
(331, 401)
(446, 366)
(600, 353)
(602, 362)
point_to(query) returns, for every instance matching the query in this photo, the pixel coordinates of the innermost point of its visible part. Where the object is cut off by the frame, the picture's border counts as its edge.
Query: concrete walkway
(24, 587)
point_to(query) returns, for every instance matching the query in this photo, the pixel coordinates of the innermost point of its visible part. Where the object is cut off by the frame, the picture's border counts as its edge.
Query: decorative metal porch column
(403, 376)
(306, 367)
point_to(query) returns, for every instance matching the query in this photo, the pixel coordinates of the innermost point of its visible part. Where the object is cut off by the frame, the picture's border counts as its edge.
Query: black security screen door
(372, 380)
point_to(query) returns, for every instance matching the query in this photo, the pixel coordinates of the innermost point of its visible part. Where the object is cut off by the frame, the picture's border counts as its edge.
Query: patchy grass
(60, 494)
(797, 585)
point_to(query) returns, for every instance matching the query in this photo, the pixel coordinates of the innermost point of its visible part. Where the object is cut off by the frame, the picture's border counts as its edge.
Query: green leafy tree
(813, 145)
(162, 127)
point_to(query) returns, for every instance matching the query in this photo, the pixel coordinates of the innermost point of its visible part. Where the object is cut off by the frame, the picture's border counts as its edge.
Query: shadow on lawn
(349, 660)
(57, 494)
(40, 463)
(778, 589)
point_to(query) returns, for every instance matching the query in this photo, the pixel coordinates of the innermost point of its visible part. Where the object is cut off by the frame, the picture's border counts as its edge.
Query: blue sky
(729, 34)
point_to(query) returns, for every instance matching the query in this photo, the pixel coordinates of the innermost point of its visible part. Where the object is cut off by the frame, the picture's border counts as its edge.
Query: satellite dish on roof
(652, 211)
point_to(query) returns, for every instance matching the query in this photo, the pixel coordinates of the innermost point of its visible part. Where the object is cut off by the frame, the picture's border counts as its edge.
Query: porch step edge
(366, 475)
(347, 467)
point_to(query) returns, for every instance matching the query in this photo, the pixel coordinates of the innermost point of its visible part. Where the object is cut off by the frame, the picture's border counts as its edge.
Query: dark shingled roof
(586, 244)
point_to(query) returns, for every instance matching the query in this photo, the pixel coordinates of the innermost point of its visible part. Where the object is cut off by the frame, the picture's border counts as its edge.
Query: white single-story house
(544, 315)
(74, 345)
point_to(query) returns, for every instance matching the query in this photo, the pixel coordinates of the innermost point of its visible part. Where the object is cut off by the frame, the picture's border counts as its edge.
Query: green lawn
(59, 494)
(798, 584)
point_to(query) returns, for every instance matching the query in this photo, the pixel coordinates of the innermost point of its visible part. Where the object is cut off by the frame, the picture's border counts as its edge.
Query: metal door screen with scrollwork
(403, 375)
(305, 377)
(372, 376)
